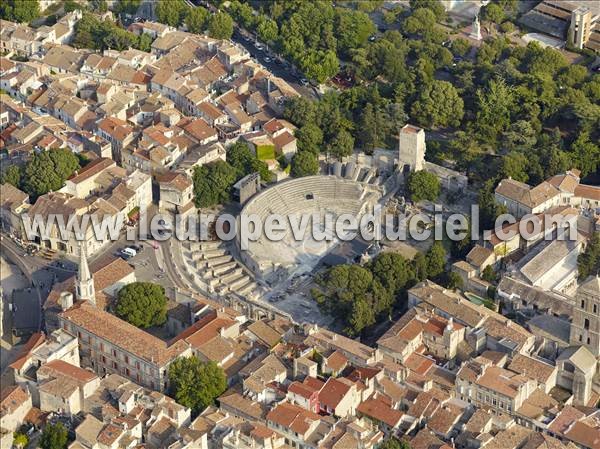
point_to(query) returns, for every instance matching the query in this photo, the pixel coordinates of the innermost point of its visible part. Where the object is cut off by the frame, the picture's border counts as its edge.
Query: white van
(129, 252)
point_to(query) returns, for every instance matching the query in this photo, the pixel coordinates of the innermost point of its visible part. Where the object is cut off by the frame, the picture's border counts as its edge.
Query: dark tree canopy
(212, 183)
(54, 436)
(142, 304)
(48, 170)
(304, 163)
(220, 25)
(588, 262)
(196, 384)
(423, 185)
(21, 11)
(359, 296)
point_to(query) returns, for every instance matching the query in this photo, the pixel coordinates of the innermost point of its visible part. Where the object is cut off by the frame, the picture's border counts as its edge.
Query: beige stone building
(486, 385)
(585, 326)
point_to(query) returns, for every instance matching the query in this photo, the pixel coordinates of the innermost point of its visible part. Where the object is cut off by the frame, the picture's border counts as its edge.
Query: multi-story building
(585, 326)
(486, 385)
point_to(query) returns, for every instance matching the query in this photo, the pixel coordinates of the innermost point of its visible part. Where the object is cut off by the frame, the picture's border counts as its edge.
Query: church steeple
(85, 281)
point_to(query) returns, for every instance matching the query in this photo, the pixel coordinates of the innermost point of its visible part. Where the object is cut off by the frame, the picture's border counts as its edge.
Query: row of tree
(311, 34)
(197, 20)
(213, 182)
(361, 295)
(95, 33)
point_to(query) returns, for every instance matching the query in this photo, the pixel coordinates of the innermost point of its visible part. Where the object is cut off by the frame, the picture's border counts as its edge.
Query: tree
(489, 209)
(419, 265)
(128, 6)
(195, 384)
(220, 26)
(48, 171)
(304, 163)
(54, 436)
(71, 5)
(423, 185)
(171, 12)
(12, 175)
(514, 165)
(196, 20)
(20, 440)
(488, 274)
(142, 304)
(493, 13)
(299, 110)
(434, 5)
(310, 138)
(212, 183)
(393, 271)
(438, 104)
(436, 259)
(20, 11)
(453, 281)
(586, 154)
(267, 30)
(588, 262)
(99, 6)
(342, 144)
(353, 29)
(460, 46)
(495, 104)
(394, 443)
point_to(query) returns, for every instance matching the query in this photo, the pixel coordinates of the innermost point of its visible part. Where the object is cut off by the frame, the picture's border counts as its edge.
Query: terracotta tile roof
(502, 381)
(588, 192)
(200, 130)
(265, 333)
(532, 368)
(292, 417)
(379, 408)
(61, 369)
(91, 169)
(585, 433)
(445, 418)
(11, 398)
(176, 180)
(336, 361)
(525, 194)
(301, 389)
(117, 128)
(122, 334)
(334, 391)
(425, 439)
(479, 255)
(283, 139)
(34, 341)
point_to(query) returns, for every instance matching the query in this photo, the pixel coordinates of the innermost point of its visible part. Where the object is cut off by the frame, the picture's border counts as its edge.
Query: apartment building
(486, 385)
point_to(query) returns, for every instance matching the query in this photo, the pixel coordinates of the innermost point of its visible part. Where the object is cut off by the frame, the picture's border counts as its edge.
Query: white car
(304, 82)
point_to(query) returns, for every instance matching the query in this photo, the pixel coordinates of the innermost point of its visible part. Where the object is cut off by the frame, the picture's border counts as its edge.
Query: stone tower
(585, 327)
(84, 284)
(411, 144)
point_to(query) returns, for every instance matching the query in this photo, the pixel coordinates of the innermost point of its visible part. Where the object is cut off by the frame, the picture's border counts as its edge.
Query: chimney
(66, 300)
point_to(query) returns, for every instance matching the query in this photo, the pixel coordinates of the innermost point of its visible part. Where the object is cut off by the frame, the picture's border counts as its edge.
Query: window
(127, 359)
(595, 307)
(589, 341)
(114, 353)
(583, 304)
(586, 324)
(114, 365)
